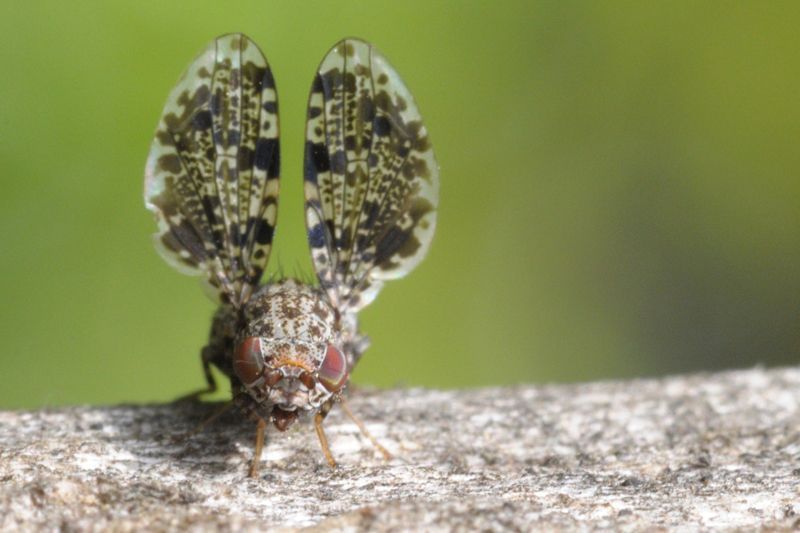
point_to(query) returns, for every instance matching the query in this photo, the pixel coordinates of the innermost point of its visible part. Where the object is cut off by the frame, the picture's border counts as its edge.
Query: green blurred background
(620, 189)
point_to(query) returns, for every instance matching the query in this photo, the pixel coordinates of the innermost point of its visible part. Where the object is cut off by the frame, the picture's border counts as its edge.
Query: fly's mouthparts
(282, 418)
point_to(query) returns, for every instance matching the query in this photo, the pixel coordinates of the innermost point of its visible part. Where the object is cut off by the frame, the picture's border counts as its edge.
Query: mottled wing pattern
(212, 173)
(371, 180)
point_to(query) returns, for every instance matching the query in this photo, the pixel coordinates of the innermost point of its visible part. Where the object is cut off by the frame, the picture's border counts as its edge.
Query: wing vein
(342, 135)
(192, 222)
(215, 180)
(351, 270)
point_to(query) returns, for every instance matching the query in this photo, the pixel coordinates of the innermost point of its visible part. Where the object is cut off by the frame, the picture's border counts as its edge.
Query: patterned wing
(212, 173)
(371, 180)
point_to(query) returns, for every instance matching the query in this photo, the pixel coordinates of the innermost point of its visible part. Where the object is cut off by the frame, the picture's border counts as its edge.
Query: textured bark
(701, 451)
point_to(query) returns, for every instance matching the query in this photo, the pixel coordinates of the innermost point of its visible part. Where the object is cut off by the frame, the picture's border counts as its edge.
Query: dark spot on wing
(316, 85)
(316, 236)
(184, 236)
(382, 101)
(367, 109)
(208, 207)
(201, 120)
(331, 82)
(233, 230)
(246, 157)
(339, 162)
(372, 209)
(268, 82)
(316, 161)
(264, 232)
(382, 126)
(343, 242)
(349, 82)
(268, 156)
(170, 163)
(391, 242)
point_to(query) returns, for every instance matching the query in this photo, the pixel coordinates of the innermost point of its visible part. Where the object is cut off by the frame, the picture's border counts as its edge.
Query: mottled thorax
(292, 311)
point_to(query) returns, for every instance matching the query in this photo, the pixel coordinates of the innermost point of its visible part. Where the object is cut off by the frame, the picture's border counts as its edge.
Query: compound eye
(248, 361)
(333, 371)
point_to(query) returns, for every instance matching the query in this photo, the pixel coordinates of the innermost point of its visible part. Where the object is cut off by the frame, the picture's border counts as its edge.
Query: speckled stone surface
(715, 451)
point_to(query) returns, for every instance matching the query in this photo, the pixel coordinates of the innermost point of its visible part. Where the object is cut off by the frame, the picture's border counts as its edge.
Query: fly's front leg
(323, 440)
(251, 411)
(261, 428)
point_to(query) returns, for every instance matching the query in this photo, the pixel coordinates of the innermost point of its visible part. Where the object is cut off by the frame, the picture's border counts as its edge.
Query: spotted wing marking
(212, 174)
(371, 179)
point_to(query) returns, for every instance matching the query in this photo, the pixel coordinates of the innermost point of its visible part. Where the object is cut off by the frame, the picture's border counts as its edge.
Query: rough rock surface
(701, 451)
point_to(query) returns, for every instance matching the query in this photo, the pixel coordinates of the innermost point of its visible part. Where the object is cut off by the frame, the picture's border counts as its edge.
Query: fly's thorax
(290, 354)
(291, 310)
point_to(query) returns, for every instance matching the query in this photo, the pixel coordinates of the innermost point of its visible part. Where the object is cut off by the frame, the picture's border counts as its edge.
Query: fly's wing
(212, 174)
(371, 180)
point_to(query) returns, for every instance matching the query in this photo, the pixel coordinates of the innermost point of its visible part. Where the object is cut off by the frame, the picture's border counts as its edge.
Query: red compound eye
(248, 361)
(333, 371)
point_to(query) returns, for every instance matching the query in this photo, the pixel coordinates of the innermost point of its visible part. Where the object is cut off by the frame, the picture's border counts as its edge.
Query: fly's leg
(205, 423)
(206, 357)
(346, 408)
(261, 427)
(249, 408)
(218, 350)
(323, 440)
